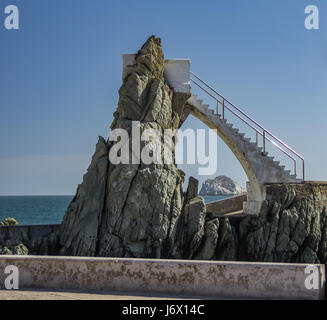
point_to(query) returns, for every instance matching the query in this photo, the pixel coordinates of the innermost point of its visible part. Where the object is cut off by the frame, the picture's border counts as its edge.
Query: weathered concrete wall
(31, 231)
(220, 207)
(177, 74)
(200, 278)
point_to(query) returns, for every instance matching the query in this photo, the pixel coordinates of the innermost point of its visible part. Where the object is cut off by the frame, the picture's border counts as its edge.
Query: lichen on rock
(9, 222)
(19, 249)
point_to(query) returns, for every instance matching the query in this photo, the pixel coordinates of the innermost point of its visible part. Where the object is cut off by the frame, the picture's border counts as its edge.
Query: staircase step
(228, 129)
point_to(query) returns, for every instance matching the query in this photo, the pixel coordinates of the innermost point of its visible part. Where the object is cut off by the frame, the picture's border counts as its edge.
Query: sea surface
(32, 210)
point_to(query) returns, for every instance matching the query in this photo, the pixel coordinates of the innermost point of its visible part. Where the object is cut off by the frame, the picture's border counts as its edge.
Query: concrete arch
(258, 166)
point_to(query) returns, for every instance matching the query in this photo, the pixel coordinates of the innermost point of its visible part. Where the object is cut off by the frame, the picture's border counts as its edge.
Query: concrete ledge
(179, 277)
(223, 206)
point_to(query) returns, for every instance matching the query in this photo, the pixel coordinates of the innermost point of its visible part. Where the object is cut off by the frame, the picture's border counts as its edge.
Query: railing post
(260, 127)
(256, 138)
(223, 108)
(294, 167)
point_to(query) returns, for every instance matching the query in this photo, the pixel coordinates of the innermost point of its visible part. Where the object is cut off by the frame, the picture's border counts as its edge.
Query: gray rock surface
(136, 210)
(290, 228)
(16, 245)
(19, 249)
(220, 185)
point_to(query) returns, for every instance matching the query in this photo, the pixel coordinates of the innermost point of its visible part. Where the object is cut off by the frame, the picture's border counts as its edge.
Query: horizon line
(35, 195)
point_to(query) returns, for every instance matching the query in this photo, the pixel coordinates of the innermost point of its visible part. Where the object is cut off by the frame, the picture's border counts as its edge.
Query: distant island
(220, 186)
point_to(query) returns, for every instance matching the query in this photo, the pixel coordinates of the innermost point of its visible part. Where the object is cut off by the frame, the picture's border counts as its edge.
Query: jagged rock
(227, 244)
(18, 243)
(192, 227)
(19, 249)
(5, 251)
(135, 210)
(290, 228)
(80, 225)
(45, 245)
(220, 185)
(192, 189)
(9, 222)
(209, 243)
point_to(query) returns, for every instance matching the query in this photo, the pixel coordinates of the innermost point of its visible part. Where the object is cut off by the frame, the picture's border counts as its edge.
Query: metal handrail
(264, 130)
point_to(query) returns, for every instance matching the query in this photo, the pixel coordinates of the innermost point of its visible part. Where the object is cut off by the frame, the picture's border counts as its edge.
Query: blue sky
(61, 71)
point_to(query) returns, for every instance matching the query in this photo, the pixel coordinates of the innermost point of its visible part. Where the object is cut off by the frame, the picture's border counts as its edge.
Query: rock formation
(9, 222)
(219, 186)
(136, 210)
(140, 210)
(292, 227)
(13, 245)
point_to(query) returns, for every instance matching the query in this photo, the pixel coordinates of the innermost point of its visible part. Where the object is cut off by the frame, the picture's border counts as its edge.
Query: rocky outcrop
(15, 245)
(136, 210)
(9, 222)
(219, 186)
(19, 249)
(23, 240)
(292, 227)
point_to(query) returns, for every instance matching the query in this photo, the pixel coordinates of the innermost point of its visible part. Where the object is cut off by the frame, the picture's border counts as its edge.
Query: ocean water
(214, 198)
(28, 210)
(31, 210)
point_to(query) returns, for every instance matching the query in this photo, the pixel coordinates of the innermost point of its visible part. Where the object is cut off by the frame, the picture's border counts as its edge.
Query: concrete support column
(256, 195)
